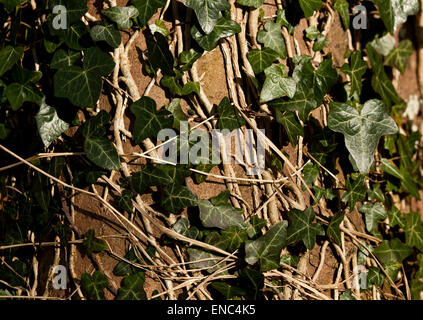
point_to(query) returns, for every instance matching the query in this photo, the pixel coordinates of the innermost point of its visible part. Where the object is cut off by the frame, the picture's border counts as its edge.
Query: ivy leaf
(63, 58)
(159, 54)
(94, 285)
(392, 251)
(251, 3)
(148, 121)
(414, 230)
(228, 291)
(309, 6)
(395, 218)
(380, 81)
(334, 232)
(75, 9)
(229, 117)
(49, 125)
(24, 89)
(125, 201)
(267, 248)
(102, 152)
(310, 173)
(208, 12)
(95, 126)
(188, 58)
(261, 59)
(355, 192)
(225, 27)
(407, 181)
(147, 8)
(178, 115)
(254, 226)
(8, 57)
(210, 260)
(132, 287)
(107, 33)
(123, 268)
(303, 101)
(92, 244)
(398, 57)
(396, 12)
(362, 130)
(277, 84)
(375, 277)
(182, 227)
(373, 214)
(289, 260)
(272, 38)
(219, 215)
(384, 45)
(234, 237)
(342, 7)
(324, 79)
(347, 295)
(122, 15)
(82, 86)
(292, 127)
(356, 70)
(303, 228)
(176, 197)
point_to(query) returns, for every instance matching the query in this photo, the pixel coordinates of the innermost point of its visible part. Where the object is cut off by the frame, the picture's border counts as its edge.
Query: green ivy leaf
(272, 38)
(24, 89)
(208, 12)
(355, 192)
(267, 248)
(92, 244)
(324, 79)
(303, 228)
(219, 215)
(289, 260)
(149, 121)
(228, 291)
(303, 101)
(342, 7)
(334, 232)
(362, 130)
(132, 287)
(147, 8)
(49, 125)
(123, 268)
(82, 86)
(396, 12)
(125, 201)
(63, 58)
(107, 33)
(182, 227)
(277, 84)
(229, 117)
(188, 58)
(178, 115)
(347, 295)
(122, 15)
(407, 181)
(309, 6)
(251, 3)
(176, 197)
(398, 57)
(234, 237)
(225, 27)
(356, 70)
(95, 126)
(395, 218)
(373, 214)
(94, 285)
(211, 264)
(392, 251)
(261, 59)
(414, 230)
(283, 21)
(380, 81)
(8, 57)
(254, 226)
(375, 277)
(310, 173)
(292, 126)
(102, 152)
(159, 54)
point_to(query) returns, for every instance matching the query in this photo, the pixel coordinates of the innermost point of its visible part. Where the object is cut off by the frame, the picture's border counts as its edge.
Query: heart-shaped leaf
(220, 216)
(102, 152)
(355, 191)
(94, 285)
(292, 126)
(122, 15)
(49, 125)
(261, 59)
(277, 84)
(362, 130)
(272, 38)
(398, 57)
(303, 228)
(132, 287)
(267, 249)
(147, 8)
(309, 6)
(334, 232)
(374, 213)
(24, 89)
(82, 86)
(159, 54)
(208, 12)
(63, 58)
(356, 69)
(414, 230)
(8, 57)
(229, 117)
(92, 244)
(107, 33)
(149, 121)
(176, 197)
(392, 251)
